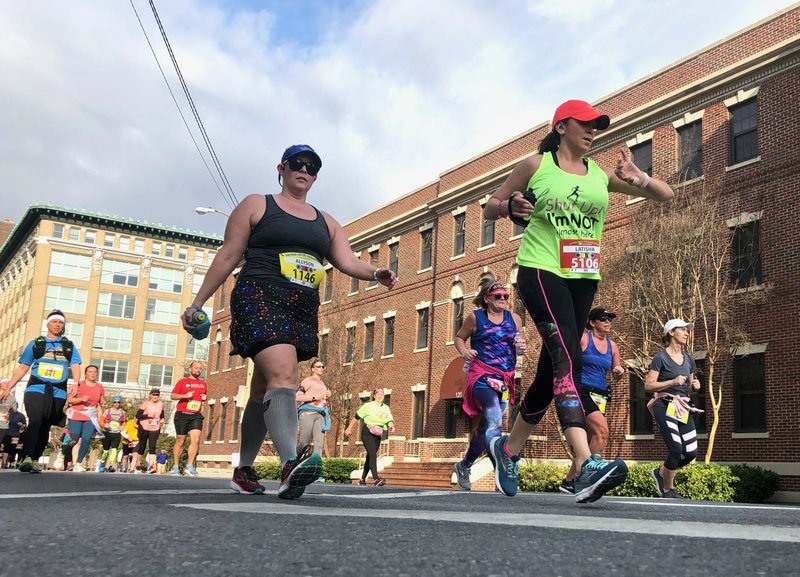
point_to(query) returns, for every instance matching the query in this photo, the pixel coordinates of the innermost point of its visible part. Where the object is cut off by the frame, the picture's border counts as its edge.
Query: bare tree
(679, 265)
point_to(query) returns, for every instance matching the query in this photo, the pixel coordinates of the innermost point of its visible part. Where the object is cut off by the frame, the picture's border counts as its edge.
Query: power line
(175, 100)
(212, 152)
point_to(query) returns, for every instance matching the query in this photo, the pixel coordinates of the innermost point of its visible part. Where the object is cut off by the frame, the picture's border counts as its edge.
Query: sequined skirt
(263, 315)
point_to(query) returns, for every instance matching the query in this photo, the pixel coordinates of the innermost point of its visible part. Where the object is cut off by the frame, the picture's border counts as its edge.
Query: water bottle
(519, 340)
(198, 317)
(467, 365)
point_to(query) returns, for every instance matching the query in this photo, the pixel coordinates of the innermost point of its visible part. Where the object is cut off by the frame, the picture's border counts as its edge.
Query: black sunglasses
(603, 319)
(497, 297)
(295, 164)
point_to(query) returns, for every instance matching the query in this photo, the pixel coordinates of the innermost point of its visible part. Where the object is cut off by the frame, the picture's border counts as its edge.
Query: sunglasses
(499, 296)
(319, 366)
(295, 164)
(603, 319)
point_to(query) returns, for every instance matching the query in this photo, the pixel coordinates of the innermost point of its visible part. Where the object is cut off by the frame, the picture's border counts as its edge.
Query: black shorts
(185, 422)
(127, 449)
(263, 315)
(589, 404)
(111, 440)
(11, 444)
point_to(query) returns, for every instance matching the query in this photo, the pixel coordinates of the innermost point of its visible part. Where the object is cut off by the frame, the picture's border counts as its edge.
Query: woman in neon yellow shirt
(563, 208)
(377, 417)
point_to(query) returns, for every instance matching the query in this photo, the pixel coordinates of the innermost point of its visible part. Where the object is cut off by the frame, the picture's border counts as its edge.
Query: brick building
(727, 113)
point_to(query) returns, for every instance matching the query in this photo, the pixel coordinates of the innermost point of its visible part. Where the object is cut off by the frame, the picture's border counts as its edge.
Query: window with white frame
(90, 237)
(67, 299)
(109, 238)
(120, 273)
(155, 375)
(58, 231)
(74, 233)
(169, 250)
(183, 253)
(166, 279)
(199, 255)
(162, 311)
(197, 350)
(112, 371)
(158, 344)
(138, 245)
(156, 248)
(116, 305)
(197, 282)
(70, 265)
(114, 339)
(124, 243)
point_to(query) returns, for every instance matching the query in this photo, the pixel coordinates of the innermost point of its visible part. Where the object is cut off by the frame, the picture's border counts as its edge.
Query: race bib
(580, 256)
(52, 371)
(193, 406)
(600, 401)
(504, 394)
(301, 268)
(673, 414)
(113, 426)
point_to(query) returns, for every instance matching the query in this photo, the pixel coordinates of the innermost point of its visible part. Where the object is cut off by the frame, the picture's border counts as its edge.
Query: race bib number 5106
(301, 268)
(581, 256)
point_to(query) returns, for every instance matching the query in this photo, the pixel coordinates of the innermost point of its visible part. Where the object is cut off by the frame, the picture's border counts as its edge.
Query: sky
(391, 93)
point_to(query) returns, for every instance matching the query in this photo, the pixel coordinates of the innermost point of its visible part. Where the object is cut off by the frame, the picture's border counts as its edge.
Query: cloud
(390, 93)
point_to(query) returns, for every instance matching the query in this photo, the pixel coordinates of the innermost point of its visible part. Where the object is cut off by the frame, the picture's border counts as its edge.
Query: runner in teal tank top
(561, 198)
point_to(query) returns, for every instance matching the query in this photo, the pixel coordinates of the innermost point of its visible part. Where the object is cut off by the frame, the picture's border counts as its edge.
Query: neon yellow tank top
(566, 226)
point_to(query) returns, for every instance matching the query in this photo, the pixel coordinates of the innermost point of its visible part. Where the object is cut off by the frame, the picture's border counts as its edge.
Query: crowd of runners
(558, 195)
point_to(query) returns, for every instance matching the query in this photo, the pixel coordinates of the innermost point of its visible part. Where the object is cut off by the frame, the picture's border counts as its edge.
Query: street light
(207, 209)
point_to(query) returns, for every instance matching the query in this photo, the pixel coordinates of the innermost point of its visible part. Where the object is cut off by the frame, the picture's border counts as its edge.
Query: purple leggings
(493, 409)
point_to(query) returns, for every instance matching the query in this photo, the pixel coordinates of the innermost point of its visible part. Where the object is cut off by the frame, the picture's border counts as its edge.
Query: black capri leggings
(44, 411)
(681, 438)
(559, 307)
(111, 440)
(371, 444)
(145, 438)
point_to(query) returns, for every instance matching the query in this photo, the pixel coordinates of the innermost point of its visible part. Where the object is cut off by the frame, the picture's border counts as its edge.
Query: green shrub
(338, 470)
(269, 470)
(541, 477)
(754, 484)
(639, 482)
(702, 482)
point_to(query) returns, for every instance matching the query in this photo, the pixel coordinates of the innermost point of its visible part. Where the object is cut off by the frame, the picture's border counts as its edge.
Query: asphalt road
(110, 524)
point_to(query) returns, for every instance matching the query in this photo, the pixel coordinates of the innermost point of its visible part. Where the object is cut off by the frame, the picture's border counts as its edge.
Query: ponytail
(550, 143)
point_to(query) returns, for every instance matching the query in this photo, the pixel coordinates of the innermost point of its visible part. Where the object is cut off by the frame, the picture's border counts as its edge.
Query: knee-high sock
(280, 416)
(113, 453)
(254, 429)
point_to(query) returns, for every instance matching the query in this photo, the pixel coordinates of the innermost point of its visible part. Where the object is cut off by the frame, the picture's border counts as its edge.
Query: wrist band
(375, 274)
(645, 181)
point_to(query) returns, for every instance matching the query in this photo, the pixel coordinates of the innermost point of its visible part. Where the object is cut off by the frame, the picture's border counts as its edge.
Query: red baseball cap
(580, 110)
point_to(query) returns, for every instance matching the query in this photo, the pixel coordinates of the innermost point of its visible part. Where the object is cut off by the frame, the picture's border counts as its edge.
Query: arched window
(457, 296)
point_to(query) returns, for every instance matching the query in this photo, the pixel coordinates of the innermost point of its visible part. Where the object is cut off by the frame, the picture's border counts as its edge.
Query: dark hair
(550, 143)
(483, 287)
(666, 338)
(91, 367)
(57, 312)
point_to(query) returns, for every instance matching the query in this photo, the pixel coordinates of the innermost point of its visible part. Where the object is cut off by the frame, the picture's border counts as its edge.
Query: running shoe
(101, 467)
(175, 471)
(191, 470)
(36, 468)
(69, 467)
(152, 470)
(462, 476)
(658, 480)
(111, 470)
(79, 468)
(506, 471)
(567, 486)
(671, 494)
(379, 482)
(299, 472)
(245, 481)
(597, 477)
(362, 482)
(26, 466)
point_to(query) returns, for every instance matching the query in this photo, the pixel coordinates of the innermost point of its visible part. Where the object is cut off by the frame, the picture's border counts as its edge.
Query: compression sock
(253, 432)
(280, 416)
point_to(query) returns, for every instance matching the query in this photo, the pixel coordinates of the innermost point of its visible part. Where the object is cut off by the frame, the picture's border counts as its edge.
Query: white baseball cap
(676, 324)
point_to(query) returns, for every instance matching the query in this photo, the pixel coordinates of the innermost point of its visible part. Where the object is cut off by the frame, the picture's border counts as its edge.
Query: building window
(114, 339)
(197, 350)
(323, 348)
(750, 394)
(166, 279)
(350, 346)
(169, 250)
(641, 419)
(112, 371)
(453, 408)
(229, 357)
(237, 419)
(124, 243)
(690, 150)
(422, 328)
(373, 260)
(109, 238)
(487, 232)
(328, 285)
(419, 415)
(69, 265)
(218, 340)
(155, 375)
(211, 423)
(67, 299)
(643, 157)
(162, 311)
(74, 233)
(746, 255)
(394, 257)
(426, 238)
(156, 249)
(58, 231)
(183, 253)
(518, 229)
(458, 315)
(211, 255)
(744, 131)
(353, 285)
(90, 237)
(74, 331)
(369, 340)
(197, 282)
(138, 245)
(222, 297)
(199, 256)
(223, 415)
(121, 273)
(116, 305)
(388, 337)
(458, 235)
(158, 344)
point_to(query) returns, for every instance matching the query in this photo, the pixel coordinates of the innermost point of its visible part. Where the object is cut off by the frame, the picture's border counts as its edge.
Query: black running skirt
(263, 315)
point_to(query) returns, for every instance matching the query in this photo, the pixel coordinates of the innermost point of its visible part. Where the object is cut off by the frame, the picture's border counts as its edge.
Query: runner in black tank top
(284, 241)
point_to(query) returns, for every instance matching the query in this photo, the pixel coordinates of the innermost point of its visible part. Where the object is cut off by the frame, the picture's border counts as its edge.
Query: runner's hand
(627, 171)
(469, 354)
(618, 371)
(520, 206)
(386, 277)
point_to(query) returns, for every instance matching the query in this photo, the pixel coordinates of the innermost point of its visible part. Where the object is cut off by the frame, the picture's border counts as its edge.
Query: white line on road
(116, 493)
(604, 524)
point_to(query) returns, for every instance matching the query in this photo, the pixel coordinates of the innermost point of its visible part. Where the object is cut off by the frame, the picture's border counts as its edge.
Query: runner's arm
(341, 256)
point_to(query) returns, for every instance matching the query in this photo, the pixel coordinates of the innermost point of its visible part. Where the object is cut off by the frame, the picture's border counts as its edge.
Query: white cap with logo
(676, 324)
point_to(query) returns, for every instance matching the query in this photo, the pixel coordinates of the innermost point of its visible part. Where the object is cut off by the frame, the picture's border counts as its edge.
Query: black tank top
(284, 249)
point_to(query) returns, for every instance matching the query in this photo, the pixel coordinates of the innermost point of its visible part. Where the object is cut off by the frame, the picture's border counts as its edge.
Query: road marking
(117, 493)
(703, 504)
(382, 495)
(603, 524)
